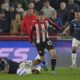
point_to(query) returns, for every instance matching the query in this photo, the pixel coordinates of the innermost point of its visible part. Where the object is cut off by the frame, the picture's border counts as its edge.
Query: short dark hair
(41, 13)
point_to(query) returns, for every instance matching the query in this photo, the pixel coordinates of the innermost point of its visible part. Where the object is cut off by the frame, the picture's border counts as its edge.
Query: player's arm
(66, 29)
(54, 25)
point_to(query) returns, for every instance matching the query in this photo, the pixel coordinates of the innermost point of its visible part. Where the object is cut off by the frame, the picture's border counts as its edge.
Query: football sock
(74, 56)
(43, 62)
(53, 64)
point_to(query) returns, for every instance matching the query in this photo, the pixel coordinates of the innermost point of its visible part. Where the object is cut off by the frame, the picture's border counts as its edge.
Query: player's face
(77, 15)
(40, 18)
(30, 12)
(54, 15)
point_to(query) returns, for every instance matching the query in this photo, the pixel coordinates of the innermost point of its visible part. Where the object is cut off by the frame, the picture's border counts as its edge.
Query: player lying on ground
(11, 67)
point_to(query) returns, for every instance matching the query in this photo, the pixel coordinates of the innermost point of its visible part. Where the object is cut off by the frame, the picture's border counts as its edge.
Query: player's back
(13, 66)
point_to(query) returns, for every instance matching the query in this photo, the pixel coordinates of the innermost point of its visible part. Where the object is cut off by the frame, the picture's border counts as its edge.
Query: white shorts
(75, 42)
(26, 64)
(23, 71)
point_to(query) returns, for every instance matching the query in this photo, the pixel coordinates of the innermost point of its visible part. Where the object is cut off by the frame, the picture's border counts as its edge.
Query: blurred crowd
(13, 13)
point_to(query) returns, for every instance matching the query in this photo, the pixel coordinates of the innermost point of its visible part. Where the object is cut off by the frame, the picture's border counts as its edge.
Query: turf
(61, 74)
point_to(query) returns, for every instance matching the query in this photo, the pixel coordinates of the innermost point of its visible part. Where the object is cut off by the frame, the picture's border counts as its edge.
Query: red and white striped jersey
(40, 31)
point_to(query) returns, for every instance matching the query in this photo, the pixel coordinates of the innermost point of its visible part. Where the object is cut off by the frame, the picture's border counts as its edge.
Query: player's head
(41, 16)
(46, 3)
(54, 14)
(2, 64)
(77, 15)
(30, 12)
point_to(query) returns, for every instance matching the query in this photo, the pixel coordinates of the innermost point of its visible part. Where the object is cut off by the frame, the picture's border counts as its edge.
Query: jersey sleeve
(54, 25)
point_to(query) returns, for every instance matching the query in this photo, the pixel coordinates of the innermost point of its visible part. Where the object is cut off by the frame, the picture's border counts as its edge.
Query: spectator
(24, 3)
(13, 3)
(19, 9)
(72, 7)
(63, 13)
(12, 13)
(15, 24)
(4, 24)
(6, 1)
(55, 3)
(31, 6)
(27, 21)
(47, 9)
(5, 7)
(38, 5)
(54, 18)
(1, 2)
(4, 19)
(78, 2)
(29, 1)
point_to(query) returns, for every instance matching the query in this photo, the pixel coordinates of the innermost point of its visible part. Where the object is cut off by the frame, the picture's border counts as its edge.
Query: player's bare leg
(42, 58)
(36, 62)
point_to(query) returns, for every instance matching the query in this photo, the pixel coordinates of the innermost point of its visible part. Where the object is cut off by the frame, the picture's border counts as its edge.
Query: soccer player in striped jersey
(39, 35)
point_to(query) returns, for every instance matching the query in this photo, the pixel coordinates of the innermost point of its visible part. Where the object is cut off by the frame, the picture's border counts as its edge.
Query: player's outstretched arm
(65, 30)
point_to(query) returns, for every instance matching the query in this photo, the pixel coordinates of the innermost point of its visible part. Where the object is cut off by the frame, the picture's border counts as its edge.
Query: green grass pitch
(61, 74)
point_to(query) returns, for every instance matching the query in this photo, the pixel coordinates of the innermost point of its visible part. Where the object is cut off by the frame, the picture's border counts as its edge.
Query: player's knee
(73, 51)
(53, 53)
(53, 56)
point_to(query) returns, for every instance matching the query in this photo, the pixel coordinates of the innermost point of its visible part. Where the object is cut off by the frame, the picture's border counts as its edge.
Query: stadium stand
(12, 12)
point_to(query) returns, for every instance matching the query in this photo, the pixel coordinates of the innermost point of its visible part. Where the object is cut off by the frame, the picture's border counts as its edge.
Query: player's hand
(63, 34)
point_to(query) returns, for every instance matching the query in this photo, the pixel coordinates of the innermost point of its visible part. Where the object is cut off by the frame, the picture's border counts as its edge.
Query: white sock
(74, 56)
(39, 68)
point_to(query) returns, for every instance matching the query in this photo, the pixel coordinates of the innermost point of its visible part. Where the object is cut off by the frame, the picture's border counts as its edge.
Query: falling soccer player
(22, 68)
